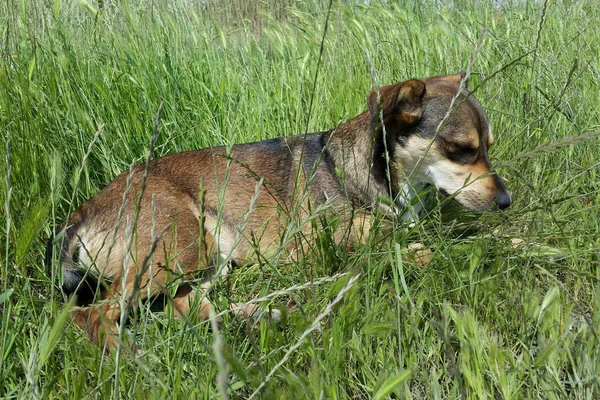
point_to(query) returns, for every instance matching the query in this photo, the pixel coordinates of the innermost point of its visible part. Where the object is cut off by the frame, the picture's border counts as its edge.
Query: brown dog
(192, 213)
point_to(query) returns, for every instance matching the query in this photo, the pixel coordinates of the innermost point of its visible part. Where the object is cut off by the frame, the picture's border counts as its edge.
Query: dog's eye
(462, 153)
(464, 148)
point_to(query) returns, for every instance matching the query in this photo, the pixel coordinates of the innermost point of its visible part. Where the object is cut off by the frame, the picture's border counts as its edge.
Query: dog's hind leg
(99, 321)
(175, 257)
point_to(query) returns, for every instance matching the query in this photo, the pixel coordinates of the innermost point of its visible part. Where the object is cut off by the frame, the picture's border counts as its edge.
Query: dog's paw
(272, 314)
(419, 254)
(256, 312)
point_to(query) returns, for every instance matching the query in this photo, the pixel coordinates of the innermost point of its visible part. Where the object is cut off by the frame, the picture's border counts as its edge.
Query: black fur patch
(76, 282)
(49, 253)
(458, 154)
(85, 291)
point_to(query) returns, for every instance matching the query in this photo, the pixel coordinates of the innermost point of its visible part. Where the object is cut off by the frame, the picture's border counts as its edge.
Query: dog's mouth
(444, 192)
(471, 204)
(502, 200)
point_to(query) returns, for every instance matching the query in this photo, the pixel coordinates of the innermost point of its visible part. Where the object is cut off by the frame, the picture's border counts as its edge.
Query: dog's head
(440, 136)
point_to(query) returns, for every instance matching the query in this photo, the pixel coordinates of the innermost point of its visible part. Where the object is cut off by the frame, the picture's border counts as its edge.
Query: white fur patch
(424, 165)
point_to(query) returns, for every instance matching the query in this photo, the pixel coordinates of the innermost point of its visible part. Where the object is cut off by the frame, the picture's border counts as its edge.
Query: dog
(176, 219)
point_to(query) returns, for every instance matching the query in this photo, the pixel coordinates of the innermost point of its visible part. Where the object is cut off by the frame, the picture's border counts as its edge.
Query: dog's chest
(410, 203)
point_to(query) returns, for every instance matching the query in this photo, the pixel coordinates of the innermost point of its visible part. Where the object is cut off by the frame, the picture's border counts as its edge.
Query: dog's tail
(75, 280)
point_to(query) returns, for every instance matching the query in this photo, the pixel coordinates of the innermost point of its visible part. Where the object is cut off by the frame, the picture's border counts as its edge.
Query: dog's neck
(357, 152)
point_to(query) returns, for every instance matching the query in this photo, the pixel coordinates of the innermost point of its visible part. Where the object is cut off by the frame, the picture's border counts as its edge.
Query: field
(508, 307)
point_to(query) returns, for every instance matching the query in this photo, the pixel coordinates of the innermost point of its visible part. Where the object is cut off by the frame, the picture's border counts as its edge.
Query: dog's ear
(400, 104)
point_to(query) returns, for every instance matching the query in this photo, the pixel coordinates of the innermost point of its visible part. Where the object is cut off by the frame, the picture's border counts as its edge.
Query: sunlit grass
(508, 306)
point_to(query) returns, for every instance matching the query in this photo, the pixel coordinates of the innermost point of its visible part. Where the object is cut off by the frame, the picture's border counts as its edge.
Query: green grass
(483, 319)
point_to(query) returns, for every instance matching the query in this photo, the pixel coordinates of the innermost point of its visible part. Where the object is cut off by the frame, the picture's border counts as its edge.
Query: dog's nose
(503, 199)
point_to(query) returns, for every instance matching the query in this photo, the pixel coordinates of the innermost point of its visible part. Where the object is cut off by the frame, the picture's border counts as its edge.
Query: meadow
(508, 307)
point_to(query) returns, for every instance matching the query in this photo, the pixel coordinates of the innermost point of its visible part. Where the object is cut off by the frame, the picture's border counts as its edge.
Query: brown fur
(201, 205)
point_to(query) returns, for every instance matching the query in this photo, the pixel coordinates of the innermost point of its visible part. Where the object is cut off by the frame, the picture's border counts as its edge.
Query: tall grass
(508, 306)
